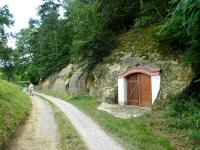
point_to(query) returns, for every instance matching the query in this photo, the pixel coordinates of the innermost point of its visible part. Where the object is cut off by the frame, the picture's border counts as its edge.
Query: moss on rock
(133, 47)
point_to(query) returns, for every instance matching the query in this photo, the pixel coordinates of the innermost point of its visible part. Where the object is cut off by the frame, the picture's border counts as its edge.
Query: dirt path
(94, 137)
(39, 131)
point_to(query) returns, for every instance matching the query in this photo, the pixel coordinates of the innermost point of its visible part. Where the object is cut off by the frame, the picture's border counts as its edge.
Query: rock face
(71, 79)
(174, 77)
(101, 82)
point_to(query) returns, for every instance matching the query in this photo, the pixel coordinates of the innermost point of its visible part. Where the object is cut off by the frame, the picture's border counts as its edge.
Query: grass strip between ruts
(69, 139)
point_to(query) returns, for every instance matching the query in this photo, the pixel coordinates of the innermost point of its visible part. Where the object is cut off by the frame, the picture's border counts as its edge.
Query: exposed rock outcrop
(101, 81)
(174, 77)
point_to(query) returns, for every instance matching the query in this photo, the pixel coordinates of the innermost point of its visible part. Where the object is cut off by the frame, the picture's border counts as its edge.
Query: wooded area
(87, 33)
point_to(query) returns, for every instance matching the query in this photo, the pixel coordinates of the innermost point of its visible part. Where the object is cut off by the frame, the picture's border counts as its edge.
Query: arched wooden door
(139, 90)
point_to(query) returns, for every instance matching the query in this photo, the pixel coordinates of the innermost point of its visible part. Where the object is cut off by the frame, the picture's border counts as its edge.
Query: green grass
(131, 133)
(183, 114)
(69, 139)
(14, 107)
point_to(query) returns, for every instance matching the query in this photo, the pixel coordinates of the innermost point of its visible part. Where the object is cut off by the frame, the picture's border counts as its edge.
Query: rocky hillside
(133, 47)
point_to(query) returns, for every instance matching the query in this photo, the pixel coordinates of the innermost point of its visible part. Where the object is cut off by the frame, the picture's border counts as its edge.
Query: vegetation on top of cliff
(140, 42)
(180, 31)
(86, 33)
(137, 42)
(89, 30)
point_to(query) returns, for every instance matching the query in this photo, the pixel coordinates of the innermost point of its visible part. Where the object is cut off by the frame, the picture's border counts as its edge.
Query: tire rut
(39, 131)
(94, 137)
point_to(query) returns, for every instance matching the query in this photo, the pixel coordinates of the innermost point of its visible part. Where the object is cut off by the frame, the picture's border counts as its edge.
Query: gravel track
(94, 137)
(39, 131)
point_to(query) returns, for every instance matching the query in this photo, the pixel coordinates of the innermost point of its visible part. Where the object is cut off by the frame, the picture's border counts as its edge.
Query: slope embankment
(14, 107)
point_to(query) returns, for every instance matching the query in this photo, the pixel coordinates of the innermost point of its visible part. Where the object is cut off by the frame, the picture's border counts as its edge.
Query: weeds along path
(39, 131)
(93, 136)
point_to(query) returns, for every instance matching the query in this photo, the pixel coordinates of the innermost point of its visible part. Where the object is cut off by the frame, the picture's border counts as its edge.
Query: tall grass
(184, 114)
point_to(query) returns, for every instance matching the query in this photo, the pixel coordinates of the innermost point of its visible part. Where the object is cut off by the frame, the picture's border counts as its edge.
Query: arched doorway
(138, 86)
(139, 90)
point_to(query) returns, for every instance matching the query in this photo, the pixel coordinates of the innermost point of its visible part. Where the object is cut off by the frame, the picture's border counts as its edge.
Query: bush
(194, 136)
(80, 96)
(184, 114)
(153, 11)
(143, 21)
(181, 31)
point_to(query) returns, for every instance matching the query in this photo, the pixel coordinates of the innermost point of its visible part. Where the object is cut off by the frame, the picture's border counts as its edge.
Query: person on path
(31, 89)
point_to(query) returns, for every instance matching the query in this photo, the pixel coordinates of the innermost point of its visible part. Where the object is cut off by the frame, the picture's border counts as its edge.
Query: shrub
(143, 21)
(184, 114)
(181, 31)
(194, 135)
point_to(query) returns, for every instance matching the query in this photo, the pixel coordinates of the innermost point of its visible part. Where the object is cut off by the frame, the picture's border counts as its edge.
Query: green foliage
(143, 21)
(80, 96)
(119, 15)
(194, 135)
(93, 25)
(153, 11)
(184, 113)
(7, 55)
(14, 107)
(6, 19)
(181, 30)
(7, 59)
(84, 34)
(51, 47)
(43, 46)
(90, 39)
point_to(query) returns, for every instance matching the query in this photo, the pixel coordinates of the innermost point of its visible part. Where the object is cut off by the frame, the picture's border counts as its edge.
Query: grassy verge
(14, 107)
(143, 132)
(69, 139)
(183, 114)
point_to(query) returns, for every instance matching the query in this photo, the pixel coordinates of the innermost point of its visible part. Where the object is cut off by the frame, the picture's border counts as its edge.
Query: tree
(6, 54)
(181, 33)
(152, 11)
(119, 15)
(6, 19)
(94, 23)
(7, 61)
(141, 4)
(86, 33)
(44, 44)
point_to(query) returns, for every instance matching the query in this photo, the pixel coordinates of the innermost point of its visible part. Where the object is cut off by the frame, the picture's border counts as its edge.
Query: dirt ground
(39, 131)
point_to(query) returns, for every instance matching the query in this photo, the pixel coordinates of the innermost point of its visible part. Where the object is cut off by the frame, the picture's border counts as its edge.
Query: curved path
(94, 137)
(39, 131)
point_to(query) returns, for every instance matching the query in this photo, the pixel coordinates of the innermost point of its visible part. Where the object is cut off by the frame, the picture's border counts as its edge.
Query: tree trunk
(141, 4)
